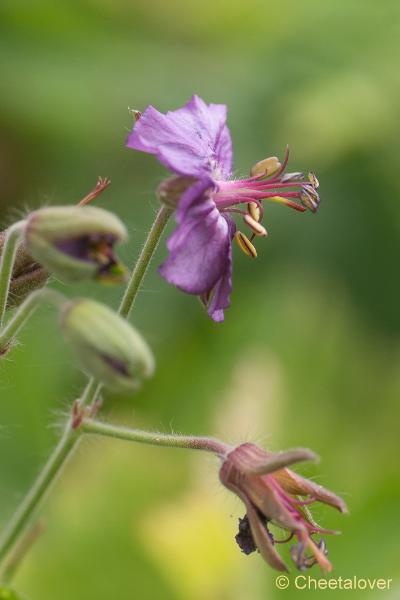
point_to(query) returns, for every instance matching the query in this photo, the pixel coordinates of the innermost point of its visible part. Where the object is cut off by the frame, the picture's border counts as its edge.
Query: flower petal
(222, 291)
(260, 534)
(193, 140)
(276, 460)
(200, 245)
(295, 484)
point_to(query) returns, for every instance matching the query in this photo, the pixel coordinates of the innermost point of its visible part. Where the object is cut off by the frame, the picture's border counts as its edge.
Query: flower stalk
(25, 311)
(190, 442)
(143, 261)
(7, 259)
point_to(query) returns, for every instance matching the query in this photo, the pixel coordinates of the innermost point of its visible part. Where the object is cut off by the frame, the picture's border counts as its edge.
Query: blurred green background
(309, 351)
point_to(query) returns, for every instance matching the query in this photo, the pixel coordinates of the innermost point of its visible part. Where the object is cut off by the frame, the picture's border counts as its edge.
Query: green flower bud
(171, 189)
(106, 345)
(76, 243)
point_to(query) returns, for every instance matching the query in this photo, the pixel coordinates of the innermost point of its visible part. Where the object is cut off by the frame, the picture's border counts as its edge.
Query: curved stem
(189, 442)
(32, 501)
(7, 259)
(24, 312)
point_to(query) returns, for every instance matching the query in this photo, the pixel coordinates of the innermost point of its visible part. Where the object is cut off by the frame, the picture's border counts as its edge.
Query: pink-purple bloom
(194, 142)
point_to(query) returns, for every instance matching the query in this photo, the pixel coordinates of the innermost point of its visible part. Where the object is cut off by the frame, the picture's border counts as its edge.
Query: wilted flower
(195, 144)
(76, 242)
(275, 495)
(106, 345)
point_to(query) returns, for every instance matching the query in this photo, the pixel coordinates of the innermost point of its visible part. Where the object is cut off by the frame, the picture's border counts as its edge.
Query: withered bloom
(275, 495)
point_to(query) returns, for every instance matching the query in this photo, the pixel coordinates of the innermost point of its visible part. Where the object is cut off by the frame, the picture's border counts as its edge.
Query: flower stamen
(266, 167)
(245, 244)
(255, 226)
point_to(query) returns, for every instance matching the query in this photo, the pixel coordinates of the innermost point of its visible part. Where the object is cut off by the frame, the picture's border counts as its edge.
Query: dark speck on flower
(194, 142)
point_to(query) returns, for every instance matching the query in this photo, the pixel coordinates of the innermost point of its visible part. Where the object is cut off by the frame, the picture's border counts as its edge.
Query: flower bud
(76, 243)
(106, 345)
(171, 189)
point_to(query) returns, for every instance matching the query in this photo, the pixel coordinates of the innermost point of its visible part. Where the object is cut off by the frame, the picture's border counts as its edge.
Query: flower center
(268, 181)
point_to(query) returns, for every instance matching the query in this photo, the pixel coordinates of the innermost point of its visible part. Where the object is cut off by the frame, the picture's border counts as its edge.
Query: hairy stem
(32, 501)
(143, 261)
(25, 543)
(27, 509)
(7, 259)
(24, 312)
(156, 439)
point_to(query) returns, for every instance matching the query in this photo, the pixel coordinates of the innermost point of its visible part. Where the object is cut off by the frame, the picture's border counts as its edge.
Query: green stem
(25, 543)
(24, 312)
(27, 509)
(157, 439)
(144, 260)
(7, 259)
(41, 487)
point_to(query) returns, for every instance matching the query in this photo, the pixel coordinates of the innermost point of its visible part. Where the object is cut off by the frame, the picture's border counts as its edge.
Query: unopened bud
(245, 244)
(106, 345)
(268, 166)
(76, 243)
(171, 189)
(256, 227)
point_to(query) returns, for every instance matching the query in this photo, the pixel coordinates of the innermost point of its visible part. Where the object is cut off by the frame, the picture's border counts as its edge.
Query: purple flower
(195, 144)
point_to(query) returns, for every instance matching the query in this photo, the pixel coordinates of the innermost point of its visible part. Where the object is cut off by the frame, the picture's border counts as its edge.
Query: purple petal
(222, 291)
(200, 245)
(193, 140)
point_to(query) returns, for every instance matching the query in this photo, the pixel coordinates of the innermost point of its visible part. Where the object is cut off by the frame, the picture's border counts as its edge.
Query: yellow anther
(313, 180)
(268, 166)
(254, 210)
(245, 244)
(255, 226)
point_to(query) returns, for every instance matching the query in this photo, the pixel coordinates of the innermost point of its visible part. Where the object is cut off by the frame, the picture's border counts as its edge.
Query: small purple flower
(195, 144)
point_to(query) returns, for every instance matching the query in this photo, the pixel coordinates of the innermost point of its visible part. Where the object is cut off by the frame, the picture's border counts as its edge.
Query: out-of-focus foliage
(310, 349)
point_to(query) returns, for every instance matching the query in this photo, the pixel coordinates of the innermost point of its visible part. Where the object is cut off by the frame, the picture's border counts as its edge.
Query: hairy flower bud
(76, 243)
(171, 189)
(106, 345)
